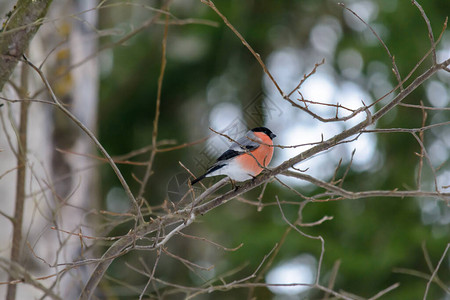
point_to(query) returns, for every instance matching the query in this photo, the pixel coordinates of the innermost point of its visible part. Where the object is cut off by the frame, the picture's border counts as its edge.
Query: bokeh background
(212, 80)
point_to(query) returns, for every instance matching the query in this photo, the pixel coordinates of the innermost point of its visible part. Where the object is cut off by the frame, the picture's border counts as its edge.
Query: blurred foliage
(370, 237)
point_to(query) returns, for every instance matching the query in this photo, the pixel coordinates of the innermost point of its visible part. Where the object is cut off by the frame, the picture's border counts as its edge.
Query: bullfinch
(245, 158)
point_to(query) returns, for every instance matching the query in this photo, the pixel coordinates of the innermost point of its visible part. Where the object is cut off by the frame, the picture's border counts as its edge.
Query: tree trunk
(18, 32)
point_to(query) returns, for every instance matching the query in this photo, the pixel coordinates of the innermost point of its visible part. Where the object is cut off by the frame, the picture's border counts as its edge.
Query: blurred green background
(208, 68)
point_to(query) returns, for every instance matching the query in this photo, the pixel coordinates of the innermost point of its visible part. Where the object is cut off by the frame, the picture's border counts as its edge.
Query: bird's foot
(233, 184)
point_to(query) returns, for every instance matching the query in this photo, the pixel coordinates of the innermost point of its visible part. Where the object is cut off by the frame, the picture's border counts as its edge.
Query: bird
(245, 158)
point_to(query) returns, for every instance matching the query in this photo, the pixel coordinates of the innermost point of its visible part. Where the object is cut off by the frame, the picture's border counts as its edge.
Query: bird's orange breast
(253, 161)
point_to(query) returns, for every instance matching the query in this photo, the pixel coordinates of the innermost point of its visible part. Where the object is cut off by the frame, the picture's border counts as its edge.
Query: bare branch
(335, 190)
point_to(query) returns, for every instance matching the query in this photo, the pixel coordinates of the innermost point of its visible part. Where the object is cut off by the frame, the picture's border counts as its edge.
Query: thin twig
(435, 271)
(385, 291)
(333, 276)
(422, 275)
(186, 262)
(394, 65)
(152, 274)
(211, 242)
(306, 76)
(322, 242)
(269, 264)
(421, 154)
(430, 31)
(157, 110)
(247, 45)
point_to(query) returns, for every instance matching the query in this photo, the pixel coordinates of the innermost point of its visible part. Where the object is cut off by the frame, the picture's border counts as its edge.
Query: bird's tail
(198, 179)
(215, 167)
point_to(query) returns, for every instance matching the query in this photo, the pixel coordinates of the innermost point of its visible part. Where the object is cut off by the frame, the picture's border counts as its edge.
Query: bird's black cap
(265, 130)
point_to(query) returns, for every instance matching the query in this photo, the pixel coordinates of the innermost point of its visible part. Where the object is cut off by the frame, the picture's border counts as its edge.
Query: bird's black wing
(233, 153)
(242, 145)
